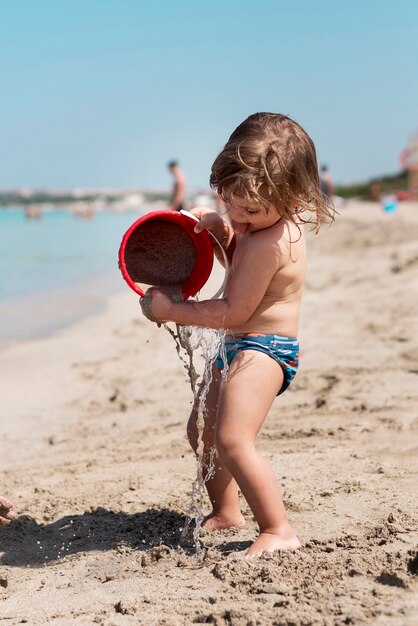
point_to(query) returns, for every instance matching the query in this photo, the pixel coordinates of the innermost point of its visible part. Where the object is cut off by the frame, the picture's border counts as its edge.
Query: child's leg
(246, 398)
(222, 488)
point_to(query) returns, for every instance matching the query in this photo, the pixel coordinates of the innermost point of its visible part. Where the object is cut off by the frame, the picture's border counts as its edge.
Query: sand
(159, 253)
(94, 455)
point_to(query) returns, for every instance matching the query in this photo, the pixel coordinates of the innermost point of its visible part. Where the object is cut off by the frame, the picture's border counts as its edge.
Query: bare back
(281, 251)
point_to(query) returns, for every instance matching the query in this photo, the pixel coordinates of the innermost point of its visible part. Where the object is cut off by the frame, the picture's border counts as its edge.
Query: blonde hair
(270, 159)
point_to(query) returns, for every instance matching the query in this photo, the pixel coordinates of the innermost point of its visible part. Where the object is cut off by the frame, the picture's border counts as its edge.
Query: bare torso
(279, 308)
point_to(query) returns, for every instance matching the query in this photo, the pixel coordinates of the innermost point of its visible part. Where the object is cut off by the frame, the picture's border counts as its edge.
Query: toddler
(267, 177)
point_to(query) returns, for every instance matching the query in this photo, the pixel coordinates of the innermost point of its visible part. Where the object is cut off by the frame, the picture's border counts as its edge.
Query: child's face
(250, 216)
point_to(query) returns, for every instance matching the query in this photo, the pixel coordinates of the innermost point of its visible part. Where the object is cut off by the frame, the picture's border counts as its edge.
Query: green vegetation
(382, 185)
(156, 196)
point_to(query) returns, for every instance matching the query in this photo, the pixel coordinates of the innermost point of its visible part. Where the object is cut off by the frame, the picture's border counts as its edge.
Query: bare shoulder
(293, 234)
(289, 243)
(293, 245)
(286, 237)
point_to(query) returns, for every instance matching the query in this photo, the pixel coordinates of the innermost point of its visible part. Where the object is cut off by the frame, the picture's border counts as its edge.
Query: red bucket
(161, 248)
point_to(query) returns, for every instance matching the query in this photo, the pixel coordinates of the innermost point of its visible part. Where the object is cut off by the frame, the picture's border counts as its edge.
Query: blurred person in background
(178, 194)
(325, 182)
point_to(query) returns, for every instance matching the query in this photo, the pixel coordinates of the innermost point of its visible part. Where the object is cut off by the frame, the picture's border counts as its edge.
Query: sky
(103, 93)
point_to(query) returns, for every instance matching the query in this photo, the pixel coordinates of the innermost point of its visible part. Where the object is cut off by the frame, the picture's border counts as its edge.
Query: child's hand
(157, 302)
(6, 511)
(210, 220)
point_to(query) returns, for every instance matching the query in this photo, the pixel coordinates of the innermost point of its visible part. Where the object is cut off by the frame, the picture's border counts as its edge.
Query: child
(267, 175)
(6, 511)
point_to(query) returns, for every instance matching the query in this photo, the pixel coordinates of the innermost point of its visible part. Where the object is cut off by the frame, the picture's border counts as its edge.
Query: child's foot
(6, 512)
(218, 521)
(272, 541)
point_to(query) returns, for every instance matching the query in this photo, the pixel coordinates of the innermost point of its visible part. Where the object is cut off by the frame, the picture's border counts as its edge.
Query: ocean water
(56, 269)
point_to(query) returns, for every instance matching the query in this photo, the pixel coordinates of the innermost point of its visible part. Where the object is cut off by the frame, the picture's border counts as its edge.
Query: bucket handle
(221, 289)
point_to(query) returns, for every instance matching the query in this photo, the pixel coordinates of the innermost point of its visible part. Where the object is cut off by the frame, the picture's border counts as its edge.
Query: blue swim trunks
(284, 350)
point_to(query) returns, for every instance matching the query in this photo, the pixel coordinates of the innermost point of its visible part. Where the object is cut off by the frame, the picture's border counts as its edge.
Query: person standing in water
(178, 195)
(267, 176)
(6, 511)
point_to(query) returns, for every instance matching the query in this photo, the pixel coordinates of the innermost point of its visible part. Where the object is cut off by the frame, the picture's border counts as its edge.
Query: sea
(56, 268)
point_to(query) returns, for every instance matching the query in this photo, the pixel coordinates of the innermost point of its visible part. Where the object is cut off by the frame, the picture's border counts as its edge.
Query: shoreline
(41, 314)
(57, 270)
(36, 410)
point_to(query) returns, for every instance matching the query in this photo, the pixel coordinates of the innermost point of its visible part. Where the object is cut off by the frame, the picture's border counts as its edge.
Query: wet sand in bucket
(160, 253)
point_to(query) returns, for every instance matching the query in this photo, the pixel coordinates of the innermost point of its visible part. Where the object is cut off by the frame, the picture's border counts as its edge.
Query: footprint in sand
(411, 355)
(403, 265)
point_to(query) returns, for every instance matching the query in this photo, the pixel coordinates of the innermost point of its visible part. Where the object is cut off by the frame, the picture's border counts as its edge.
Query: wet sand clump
(159, 253)
(172, 291)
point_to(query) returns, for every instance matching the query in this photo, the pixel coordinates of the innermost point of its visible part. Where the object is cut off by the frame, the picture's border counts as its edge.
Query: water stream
(211, 342)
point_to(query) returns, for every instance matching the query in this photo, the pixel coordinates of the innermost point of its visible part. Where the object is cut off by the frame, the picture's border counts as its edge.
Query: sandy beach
(95, 458)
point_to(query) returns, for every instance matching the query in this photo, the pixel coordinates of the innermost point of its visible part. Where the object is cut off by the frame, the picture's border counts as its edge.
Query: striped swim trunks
(284, 350)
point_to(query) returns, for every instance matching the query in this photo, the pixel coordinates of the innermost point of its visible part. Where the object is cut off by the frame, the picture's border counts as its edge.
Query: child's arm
(246, 287)
(211, 221)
